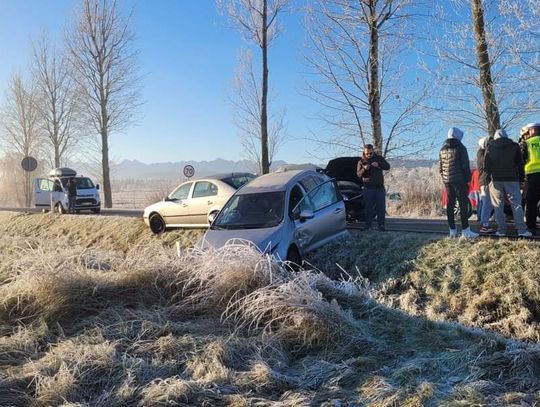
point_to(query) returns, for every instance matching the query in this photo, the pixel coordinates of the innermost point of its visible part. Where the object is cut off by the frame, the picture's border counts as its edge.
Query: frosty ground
(96, 311)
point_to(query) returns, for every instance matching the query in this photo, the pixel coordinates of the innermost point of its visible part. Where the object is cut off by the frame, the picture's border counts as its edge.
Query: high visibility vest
(533, 155)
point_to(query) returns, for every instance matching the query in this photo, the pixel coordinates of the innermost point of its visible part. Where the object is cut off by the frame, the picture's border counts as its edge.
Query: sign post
(189, 171)
(28, 164)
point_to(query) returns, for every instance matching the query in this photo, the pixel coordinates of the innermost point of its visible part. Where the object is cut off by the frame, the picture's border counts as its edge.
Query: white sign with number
(189, 171)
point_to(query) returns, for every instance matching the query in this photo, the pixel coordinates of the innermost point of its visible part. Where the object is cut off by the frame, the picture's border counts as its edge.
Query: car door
(327, 214)
(43, 188)
(202, 198)
(176, 208)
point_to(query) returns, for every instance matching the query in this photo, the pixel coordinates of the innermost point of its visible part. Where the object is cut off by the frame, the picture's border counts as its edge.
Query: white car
(51, 193)
(286, 214)
(193, 202)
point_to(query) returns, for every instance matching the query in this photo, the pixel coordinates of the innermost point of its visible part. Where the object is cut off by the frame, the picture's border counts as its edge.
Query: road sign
(189, 171)
(29, 163)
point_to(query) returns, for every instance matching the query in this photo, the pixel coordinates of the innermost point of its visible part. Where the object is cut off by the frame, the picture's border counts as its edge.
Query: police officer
(531, 156)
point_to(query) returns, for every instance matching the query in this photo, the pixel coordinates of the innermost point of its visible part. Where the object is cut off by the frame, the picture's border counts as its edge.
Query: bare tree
(257, 20)
(246, 101)
(484, 66)
(482, 86)
(357, 73)
(20, 124)
(58, 102)
(522, 27)
(103, 59)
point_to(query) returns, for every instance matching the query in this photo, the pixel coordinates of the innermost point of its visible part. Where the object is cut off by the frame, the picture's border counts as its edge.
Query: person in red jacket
(370, 170)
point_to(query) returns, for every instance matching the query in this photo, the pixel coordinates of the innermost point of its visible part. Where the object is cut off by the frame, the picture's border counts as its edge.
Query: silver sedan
(287, 213)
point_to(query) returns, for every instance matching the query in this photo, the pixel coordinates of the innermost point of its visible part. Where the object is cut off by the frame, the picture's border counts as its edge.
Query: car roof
(222, 175)
(275, 181)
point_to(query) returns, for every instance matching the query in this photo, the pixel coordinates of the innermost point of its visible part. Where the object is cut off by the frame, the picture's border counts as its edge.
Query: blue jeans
(485, 205)
(375, 200)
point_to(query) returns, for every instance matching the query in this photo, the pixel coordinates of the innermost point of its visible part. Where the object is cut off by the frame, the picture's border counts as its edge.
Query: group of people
(505, 168)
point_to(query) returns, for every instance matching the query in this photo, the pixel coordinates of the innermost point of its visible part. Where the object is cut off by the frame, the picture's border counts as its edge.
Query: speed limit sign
(189, 171)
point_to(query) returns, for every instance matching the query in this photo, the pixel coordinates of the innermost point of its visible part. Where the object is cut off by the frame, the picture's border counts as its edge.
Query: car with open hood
(287, 213)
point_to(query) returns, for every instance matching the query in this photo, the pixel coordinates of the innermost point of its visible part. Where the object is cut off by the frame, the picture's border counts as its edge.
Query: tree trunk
(373, 87)
(484, 65)
(107, 193)
(265, 165)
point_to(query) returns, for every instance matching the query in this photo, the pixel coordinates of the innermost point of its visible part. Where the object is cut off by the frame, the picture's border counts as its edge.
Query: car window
(204, 188)
(295, 197)
(84, 183)
(236, 181)
(182, 192)
(45, 184)
(318, 198)
(324, 195)
(310, 182)
(252, 211)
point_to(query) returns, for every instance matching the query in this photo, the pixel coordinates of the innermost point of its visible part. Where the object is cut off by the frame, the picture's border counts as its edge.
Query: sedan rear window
(236, 181)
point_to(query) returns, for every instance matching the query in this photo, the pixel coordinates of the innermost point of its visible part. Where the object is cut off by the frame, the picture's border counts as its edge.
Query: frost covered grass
(420, 190)
(133, 323)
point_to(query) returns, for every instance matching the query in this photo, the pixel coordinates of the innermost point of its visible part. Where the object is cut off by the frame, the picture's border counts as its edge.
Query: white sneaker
(500, 234)
(526, 234)
(453, 233)
(469, 234)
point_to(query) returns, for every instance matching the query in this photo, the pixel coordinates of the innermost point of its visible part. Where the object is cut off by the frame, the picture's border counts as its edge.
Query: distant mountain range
(135, 169)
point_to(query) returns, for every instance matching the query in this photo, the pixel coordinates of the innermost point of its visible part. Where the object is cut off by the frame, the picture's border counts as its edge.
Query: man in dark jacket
(71, 187)
(370, 171)
(503, 163)
(456, 174)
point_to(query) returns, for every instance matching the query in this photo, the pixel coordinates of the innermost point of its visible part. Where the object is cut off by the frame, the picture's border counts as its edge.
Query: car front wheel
(294, 259)
(59, 208)
(157, 224)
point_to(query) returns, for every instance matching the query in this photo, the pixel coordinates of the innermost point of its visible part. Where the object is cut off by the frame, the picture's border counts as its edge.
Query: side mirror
(212, 217)
(305, 214)
(97, 187)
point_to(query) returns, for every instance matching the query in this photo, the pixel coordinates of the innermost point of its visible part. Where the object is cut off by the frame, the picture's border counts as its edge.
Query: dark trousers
(71, 203)
(459, 193)
(533, 189)
(375, 200)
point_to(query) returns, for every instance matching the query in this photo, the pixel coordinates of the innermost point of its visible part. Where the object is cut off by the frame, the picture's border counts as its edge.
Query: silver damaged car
(287, 213)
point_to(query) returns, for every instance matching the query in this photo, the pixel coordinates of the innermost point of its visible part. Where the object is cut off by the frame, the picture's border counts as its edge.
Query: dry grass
(420, 190)
(85, 323)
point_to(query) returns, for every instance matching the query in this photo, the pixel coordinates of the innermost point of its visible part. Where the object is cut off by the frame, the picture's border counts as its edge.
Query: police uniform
(532, 172)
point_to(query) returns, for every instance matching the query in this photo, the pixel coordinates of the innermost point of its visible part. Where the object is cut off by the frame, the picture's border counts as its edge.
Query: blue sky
(188, 54)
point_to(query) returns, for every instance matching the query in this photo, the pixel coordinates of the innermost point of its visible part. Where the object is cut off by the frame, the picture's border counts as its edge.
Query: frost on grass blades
(124, 318)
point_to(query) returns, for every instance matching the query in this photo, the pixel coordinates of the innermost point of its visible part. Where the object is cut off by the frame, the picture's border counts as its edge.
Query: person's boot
(453, 233)
(469, 234)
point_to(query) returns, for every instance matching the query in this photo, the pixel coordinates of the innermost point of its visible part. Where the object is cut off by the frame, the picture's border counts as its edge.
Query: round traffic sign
(29, 163)
(189, 171)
